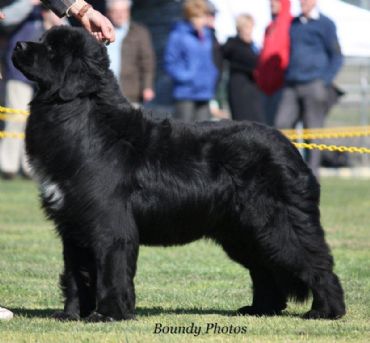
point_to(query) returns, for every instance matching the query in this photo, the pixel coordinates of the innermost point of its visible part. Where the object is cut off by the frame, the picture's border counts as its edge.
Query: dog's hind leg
(317, 273)
(328, 302)
(297, 247)
(268, 298)
(116, 268)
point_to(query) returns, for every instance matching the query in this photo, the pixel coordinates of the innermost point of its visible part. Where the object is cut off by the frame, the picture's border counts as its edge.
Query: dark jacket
(30, 30)
(59, 7)
(189, 61)
(138, 62)
(243, 95)
(315, 52)
(218, 59)
(242, 56)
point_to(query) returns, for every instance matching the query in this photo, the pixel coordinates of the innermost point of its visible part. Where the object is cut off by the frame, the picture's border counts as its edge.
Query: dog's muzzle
(20, 46)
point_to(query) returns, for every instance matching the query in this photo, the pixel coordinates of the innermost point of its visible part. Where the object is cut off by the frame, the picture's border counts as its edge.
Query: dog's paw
(129, 316)
(97, 317)
(64, 316)
(316, 314)
(252, 311)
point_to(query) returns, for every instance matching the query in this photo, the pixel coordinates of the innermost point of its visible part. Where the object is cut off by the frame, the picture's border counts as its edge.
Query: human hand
(148, 94)
(99, 25)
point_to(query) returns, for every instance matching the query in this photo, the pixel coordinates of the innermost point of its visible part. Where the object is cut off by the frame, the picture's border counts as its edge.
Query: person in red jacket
(274, 56)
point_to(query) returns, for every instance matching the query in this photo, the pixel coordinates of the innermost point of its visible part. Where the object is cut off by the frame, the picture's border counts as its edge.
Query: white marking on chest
(52, 194)
(50, 191)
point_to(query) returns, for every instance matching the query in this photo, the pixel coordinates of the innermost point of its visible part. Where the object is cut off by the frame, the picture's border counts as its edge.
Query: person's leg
(184, 110)
(245, 99)
(202, 111)
(288, 111)
(235, 92)
(314, 99)
(18, 96)
(271, 105)
(255, 110)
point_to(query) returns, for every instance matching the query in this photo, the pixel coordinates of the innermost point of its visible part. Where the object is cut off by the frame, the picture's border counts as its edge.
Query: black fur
(112, 178)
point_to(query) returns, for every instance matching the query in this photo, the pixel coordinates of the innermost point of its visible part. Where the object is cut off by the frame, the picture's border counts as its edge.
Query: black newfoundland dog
(111, 179)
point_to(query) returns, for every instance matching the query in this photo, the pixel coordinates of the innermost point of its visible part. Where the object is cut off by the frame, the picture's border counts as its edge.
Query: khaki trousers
(12, 152)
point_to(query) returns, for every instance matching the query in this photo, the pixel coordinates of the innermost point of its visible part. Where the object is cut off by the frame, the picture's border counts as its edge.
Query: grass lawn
(178, 286)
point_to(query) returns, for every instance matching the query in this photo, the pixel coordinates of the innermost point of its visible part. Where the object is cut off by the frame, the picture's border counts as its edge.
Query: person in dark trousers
(245, 99)
(315, 59)
(189, 62)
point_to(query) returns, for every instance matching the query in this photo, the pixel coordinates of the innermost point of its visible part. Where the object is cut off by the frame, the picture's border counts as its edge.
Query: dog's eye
(50, 50)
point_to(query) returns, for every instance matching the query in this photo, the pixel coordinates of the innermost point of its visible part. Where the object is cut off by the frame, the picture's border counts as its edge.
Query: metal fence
(354, 107)
(360, 3)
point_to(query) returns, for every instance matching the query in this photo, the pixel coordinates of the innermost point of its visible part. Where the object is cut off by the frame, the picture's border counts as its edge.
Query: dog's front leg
(77, 282)
(116, 267)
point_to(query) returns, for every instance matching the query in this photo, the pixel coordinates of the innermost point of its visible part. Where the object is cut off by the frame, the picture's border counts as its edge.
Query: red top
(274, 57)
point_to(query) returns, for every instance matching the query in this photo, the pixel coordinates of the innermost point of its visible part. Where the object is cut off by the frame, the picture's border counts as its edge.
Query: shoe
(8, 176)
(5, 314)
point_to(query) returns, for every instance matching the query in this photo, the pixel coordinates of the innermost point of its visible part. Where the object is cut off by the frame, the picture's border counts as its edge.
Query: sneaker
(5, 314)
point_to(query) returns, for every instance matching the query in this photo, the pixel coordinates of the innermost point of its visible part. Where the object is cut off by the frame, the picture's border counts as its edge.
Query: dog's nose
(20, 46)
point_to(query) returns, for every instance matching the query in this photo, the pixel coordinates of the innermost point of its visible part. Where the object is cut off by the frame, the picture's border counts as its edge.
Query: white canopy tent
(353, 23)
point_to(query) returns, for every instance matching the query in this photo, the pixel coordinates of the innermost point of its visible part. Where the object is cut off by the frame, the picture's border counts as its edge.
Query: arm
(92, 20)
(147, 67)
(284, 14)
(174, 60)
(59, 7)
(16, 12)
(334, 53)
(226, 49)
(277, 36)
(243, 60)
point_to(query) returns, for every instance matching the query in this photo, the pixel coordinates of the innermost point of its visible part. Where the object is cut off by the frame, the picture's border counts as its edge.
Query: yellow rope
(13, 111)
(324, 133)
(339, 148)
(17, 135)
(319, 133)
(12, 117)
(328, 135)
(327, 129)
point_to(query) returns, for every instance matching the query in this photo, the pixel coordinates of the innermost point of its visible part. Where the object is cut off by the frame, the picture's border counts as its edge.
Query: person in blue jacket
(189, 62)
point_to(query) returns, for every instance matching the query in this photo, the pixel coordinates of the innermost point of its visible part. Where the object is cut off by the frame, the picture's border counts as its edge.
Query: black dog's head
(67, 62)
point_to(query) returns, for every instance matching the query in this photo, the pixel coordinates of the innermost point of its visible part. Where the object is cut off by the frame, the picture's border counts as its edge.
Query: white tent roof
(353, 23)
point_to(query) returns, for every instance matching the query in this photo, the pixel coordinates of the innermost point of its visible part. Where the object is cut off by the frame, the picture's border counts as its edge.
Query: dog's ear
(80, 79)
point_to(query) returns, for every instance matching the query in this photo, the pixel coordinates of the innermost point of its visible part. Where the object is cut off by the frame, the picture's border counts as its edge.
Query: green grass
(178, 286)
